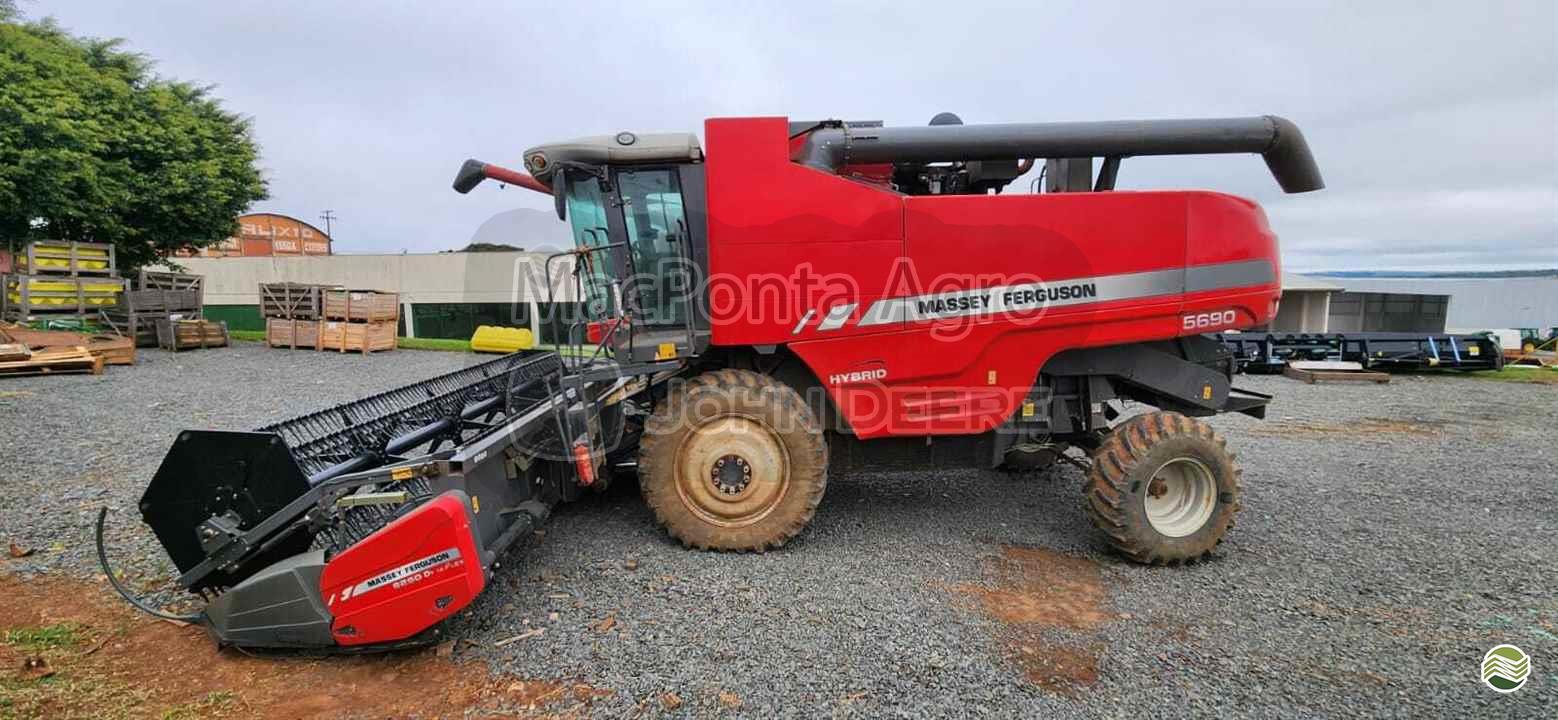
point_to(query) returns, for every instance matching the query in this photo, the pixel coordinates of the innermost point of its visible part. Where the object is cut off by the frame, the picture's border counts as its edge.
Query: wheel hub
(1180, 497)
(731, 474)
(732, 470)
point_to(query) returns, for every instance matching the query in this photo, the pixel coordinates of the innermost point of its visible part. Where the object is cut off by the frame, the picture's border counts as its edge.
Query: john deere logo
(1505, 668)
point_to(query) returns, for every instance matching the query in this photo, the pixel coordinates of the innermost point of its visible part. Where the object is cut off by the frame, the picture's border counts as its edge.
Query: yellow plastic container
(495, 339)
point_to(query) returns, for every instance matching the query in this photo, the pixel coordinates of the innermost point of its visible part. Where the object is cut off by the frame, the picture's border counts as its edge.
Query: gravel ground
(1390, 536)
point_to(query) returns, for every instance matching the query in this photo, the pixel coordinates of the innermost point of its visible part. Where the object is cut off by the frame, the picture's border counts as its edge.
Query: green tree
(491, 247)
(95, 147)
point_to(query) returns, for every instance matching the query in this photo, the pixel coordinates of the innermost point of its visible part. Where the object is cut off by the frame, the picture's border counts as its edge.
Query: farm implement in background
(1383, 351)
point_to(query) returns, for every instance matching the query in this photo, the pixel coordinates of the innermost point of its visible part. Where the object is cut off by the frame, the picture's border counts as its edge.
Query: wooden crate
(292, 334)
(362, 305)
(28, 297)
(161, 301)
(364, 337)
(172, 281)
(293, 301)
(67, 258)
(178, 335)
(138, 311)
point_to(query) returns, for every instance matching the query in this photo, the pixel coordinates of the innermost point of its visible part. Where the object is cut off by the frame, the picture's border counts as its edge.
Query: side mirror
(560, 194)
(470, 175)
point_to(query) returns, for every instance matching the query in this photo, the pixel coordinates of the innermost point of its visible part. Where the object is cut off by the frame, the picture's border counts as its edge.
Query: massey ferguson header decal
(406, 575)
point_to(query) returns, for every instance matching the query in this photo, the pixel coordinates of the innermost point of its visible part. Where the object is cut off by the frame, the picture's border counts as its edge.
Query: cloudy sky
(1436, 124)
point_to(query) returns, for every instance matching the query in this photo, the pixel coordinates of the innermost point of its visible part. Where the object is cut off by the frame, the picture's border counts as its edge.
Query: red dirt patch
(1042, 587)
(1060, 669)
(1031, 590)
(1361, 428)
(123, 664)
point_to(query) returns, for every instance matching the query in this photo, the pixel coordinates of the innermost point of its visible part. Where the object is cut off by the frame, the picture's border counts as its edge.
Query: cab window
(587, 217)
(656, 235)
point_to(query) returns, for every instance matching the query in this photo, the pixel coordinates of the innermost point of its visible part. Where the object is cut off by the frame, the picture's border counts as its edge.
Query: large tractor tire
(733, 460)
(1164, 489)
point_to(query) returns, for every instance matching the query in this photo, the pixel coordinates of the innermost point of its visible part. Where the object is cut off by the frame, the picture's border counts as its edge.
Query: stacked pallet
(19, 357)
(322, 317)
(361, 320)
(113, 349)
(12, 351)
(57, 278)
(158, 296)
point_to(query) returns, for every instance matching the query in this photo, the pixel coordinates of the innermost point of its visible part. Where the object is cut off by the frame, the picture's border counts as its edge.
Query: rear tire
(733, 460)
(1163, 489)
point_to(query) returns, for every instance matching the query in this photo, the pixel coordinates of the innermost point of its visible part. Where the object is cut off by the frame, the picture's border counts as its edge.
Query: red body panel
(774, 224)
(405, 577)
(786, 240)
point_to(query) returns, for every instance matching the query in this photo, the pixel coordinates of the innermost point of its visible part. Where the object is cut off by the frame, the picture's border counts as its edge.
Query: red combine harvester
(802, 298)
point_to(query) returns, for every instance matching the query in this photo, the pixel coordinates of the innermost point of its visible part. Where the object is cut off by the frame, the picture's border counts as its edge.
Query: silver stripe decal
(1228, 275)
(837, 315)
(1070, 291)
(804, 319)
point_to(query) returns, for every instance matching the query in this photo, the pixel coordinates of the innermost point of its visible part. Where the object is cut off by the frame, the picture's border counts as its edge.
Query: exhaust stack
(1277, 140)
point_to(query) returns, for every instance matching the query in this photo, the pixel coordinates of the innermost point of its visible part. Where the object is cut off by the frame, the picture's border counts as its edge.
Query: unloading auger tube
(1277, 140)
(362, 526)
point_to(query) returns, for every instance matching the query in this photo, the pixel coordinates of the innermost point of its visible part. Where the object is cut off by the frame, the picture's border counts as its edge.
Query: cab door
(661, 275)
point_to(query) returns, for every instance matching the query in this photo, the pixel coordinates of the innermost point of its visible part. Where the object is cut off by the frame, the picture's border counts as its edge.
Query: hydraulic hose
(102, 559)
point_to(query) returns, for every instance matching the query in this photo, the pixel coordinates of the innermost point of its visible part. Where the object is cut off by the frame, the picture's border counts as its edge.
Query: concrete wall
(498, 277)
(1302, 311)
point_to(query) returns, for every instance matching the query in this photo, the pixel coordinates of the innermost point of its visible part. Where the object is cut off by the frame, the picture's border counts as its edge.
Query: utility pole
(328, 216)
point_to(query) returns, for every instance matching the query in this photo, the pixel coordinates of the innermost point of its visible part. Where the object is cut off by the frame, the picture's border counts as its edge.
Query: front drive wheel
(733, 460)
(1163, 488)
